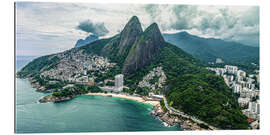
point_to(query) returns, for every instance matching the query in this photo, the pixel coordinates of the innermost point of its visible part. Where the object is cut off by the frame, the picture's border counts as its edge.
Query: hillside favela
(119, 68)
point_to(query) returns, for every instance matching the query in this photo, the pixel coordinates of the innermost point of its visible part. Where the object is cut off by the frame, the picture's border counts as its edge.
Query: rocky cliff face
(138, 48)
(121, 43)
(128, 35)
(143, 50)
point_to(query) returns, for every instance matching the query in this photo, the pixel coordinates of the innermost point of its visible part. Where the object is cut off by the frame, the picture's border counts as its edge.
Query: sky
(46, 28)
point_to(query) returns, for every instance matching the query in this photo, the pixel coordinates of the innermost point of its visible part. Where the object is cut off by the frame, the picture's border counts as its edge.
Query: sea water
(86, 113)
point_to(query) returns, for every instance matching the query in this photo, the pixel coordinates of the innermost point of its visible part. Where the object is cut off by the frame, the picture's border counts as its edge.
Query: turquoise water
(86, 113)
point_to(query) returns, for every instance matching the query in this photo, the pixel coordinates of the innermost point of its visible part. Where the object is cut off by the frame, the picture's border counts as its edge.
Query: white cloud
(44, 28)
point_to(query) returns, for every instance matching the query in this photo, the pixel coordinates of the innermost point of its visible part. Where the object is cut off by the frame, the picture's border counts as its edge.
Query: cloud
(46, 26)
(233, 23)
(95, 28)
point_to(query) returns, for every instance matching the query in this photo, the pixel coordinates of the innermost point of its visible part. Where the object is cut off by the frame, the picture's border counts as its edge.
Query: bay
(86, 113)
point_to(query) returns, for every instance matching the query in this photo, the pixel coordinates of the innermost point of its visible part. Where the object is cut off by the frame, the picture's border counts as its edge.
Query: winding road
(182, 114)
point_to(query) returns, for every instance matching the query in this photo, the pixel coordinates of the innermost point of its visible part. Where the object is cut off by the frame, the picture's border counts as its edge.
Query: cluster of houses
(246, 86)
(154, 80)
(158, 84)
(78, 67)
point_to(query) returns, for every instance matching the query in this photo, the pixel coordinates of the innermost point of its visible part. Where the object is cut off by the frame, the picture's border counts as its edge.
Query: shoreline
(165, 117)
(138, 99)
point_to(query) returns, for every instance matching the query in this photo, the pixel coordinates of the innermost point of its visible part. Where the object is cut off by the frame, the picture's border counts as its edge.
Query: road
(182, 114)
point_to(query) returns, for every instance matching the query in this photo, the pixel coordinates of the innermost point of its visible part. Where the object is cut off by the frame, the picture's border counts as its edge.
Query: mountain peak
(184, 33)
(133, 24)
(89, 39)
(144, 49)
(134, 19)
(128, 36)
(154, 33)
(153, 26)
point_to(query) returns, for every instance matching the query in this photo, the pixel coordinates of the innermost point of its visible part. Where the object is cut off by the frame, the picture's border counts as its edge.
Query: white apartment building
(243, 101)
(119, 82)
(241, 73)
(254, 108)
(237, 88)
(231, 69)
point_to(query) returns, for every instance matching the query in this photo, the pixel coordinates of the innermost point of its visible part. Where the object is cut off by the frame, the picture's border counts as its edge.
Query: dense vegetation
(77, 89)
(154, 80)
(95, 47)
(42, 63)
(208, 98)
(49, 84)
(194, 90)
(108, 75)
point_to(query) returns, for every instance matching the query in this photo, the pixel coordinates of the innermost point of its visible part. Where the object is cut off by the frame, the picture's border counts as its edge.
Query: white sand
(138, 99)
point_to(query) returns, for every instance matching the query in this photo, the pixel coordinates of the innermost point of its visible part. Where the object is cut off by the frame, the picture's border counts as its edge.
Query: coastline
(138, 99)
(165, 117)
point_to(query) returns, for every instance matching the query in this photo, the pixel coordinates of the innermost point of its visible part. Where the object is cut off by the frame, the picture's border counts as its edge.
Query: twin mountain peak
(137, 46)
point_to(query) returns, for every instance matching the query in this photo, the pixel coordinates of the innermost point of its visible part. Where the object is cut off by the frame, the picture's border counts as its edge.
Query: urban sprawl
(247, 89)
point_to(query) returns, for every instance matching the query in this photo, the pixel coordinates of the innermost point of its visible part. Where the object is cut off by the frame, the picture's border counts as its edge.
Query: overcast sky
(45, 28)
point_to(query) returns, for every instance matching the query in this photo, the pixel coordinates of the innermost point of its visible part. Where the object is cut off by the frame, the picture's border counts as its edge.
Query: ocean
(86, 113)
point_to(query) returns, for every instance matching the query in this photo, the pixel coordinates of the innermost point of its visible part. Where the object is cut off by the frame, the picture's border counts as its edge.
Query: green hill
(208, 49)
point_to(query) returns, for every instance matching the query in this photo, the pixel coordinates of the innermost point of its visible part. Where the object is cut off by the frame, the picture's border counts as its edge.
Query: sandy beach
(138, 99)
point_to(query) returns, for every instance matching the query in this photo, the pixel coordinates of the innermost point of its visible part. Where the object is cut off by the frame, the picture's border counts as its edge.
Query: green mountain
(189, 87)
(208, 49)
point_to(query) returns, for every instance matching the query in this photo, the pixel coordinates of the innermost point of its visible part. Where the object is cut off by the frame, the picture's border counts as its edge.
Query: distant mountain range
(209, 49)
(189, 87)
(89, 39)
(205, 49)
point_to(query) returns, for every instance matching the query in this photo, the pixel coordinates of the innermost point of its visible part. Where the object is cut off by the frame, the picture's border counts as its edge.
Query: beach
(138, 99)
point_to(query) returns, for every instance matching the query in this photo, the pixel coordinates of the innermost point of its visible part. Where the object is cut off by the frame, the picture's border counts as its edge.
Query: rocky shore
(48, 98)
(52, 98)
(36, 85)
(172, 120)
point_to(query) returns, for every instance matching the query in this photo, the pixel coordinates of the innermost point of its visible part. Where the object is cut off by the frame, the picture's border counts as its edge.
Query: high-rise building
(231, 69)
(91, 81)
(236, 88)
(254, 107)
(119, 82)
(241, 73)
(219, 60)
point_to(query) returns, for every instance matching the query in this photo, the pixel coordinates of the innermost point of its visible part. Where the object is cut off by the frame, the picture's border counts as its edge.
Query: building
(119, 82)
(91, 81)
(241, 73)
(237, 88)
(107, 88)
(219, 60)
(253, 108)
(84, 72)
(68, 86)
(231, 78)
(258, 108)
(243, 101)
(157, 97)
(231, 69)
